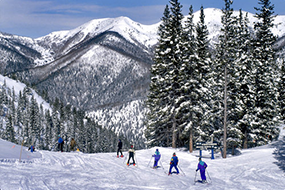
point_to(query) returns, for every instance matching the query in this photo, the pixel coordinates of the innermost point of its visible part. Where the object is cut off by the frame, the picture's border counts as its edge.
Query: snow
(255, 168)
(18, 86)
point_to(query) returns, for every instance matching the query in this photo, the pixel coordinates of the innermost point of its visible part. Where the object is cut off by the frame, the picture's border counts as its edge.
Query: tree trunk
(233, 150)
(245, 140)
(225, 114)
(191, 140)
(174, 134)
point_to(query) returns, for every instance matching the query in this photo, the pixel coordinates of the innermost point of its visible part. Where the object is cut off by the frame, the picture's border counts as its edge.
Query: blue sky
(36, 18)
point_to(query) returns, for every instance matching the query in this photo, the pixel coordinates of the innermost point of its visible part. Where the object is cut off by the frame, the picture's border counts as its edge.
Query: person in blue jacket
(202, 167)
(173, 163)
(156, 158)
(32, 148)
(60, 143)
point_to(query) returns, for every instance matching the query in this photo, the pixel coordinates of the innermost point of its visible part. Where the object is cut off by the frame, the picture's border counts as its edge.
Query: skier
(32, 148)
(173, 163)
(60, 143)
(72, 144)
(202, 167)
(131, 155)
(120, 145)
(156, 158)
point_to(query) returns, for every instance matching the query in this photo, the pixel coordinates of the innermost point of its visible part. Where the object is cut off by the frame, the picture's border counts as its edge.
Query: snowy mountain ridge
(132, 31)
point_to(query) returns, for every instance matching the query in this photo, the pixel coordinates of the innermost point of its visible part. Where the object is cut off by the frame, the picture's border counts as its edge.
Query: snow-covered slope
(18, 86)
(213, 22)
(253, 169)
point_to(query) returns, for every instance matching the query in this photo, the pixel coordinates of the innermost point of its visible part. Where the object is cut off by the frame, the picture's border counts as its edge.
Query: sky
(37, 18)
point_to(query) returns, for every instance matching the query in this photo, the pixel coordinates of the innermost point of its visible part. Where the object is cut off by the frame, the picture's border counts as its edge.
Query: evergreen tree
(10, 131)
(282, 90)
(203, 76)
(244, 82)
(34, 122)
(194, 75)
(174, 67)
(165, 76)
(187, 82)
(157, 132)
(48, 131)
(224, 70)
(266, 77)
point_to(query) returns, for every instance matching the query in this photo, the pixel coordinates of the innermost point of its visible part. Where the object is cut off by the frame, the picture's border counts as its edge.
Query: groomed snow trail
(43, 170)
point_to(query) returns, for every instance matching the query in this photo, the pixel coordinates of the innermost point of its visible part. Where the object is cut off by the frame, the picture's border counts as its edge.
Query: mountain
(101, 67)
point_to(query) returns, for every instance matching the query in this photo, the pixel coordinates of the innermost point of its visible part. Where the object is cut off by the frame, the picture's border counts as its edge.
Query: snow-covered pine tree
(282, 90)
(194, 75)
(186, 101)
(13, 107)
(34, 122)
(157, 131)
(203, 75)
(10, 131)
(49, 141)
(165, 72)
(174, 67)
(266, 77)
(244, 77)
(226, 55)
(41, 127)
(82, 131)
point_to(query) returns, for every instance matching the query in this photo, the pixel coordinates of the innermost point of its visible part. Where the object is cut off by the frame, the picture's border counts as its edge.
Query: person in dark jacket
(131, 155)
(60, 143)
(156, 158)
(173, 163)
(120, 145)
(202, 167)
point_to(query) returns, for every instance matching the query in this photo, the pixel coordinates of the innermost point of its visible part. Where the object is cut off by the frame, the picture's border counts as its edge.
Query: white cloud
(37, 18)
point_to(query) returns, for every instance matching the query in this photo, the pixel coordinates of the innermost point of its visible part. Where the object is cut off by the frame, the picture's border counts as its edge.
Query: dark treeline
(22, 119)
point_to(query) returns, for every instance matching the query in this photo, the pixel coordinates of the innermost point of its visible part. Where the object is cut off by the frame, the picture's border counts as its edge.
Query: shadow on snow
(279, 153)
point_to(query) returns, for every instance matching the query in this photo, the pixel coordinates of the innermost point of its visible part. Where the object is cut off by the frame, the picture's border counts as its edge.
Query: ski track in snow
(258, 168)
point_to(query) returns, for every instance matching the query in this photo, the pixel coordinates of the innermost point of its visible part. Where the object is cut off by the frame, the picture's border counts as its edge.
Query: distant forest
(22, 119)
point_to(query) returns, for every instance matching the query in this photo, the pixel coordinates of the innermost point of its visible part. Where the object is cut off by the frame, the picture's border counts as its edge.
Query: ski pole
(195, 177)
(181, 170)
(209, 176)
(125, 160)
(135, 158)
(161, 164)
(149, 162)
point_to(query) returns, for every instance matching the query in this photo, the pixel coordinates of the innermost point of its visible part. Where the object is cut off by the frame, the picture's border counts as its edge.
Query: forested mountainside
(26, 118)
